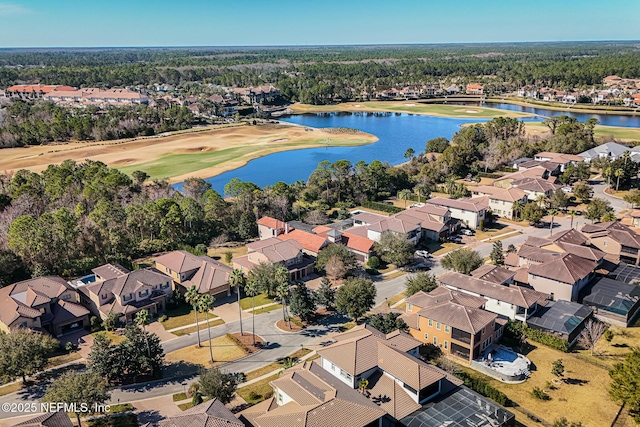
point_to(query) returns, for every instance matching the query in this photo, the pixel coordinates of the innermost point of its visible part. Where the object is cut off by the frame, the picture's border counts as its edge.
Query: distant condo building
(95, 96)
(33, 91)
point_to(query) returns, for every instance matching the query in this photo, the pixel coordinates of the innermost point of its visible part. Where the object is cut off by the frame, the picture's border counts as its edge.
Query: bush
(539, 394)
(489, 175)
(517, 330)
(480, 386)
(254, 396)
(197, 399)
(96, 323)
(374, 262)
(163, 318)
(608, 335)
(382, 207)
(68, 346)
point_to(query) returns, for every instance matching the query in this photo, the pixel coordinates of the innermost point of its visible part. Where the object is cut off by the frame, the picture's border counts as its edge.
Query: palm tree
(618, 173)
(205, 304)
(607, 172)
(363, 385)
(572, 213)
(252, 288)
(142, 319)
(542, 200)
(517, 207)
(238, 279)
(191, 297)
(552, 212)
(404, 195)
(422, 190)
(283, 289)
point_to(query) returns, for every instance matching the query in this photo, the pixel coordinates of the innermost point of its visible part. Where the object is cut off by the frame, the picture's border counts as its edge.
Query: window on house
(430, 322)
(446, 345)
(127, 297)
(438, 325)
(426, 336)
(103, 296)
(484, 330)
(446, 328)
(604, 243)
(435, 340)
(280, 398)
(333, 367)
(409, 307)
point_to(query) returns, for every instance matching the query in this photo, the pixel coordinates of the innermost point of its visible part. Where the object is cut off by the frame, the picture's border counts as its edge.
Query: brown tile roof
(179, 261)
(395, 224)
(391, 396)
(568, 268)
(47, 286)
(55, 419)
(497, 193)
(368, 217)
(441, 294)
(512, 259)
(276, 250)
(324, 401)
(522, 275)
(537, 185)
(309, 241)
(267, 221)
(618, 232)
(357, 350)
(537, 254)
(548, 165)
(493, 274)
(406, 368)
(537, 172)
(65, 311)
(466, 319)
(110, 271)
(475, 204)
(11, 310)
(522, 297)
(587, 252)
(360, 231)
(430, 209)
(426, 220)
(212, 413)
(560, 157)
(210, 276)
(569, 236)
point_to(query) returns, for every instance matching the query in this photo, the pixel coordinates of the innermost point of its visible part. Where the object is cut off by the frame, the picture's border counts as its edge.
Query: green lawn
(258, 391)
(179, 396)
(182, 316)
(261, 299)
(171, 165)
(268, 308)
(276, 365)
(438, 248)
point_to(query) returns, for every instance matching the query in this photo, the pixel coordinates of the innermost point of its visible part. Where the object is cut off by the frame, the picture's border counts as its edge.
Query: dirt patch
(282, 325)
(280, 140)
(125, 162)
(247, 340)
(197, 149)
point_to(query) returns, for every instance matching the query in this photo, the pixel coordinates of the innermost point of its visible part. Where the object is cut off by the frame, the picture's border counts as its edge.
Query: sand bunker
(472, 111)
(410, 105)
(357, 105)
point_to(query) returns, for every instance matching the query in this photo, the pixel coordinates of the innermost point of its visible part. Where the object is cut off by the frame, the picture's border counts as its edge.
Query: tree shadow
(149, 416)
(575, 381)
(621, 345)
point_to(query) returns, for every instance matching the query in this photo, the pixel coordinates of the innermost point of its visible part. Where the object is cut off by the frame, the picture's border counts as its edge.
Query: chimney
(286, 228)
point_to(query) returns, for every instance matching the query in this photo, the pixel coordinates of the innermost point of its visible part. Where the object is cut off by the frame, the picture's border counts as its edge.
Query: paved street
(617, 203)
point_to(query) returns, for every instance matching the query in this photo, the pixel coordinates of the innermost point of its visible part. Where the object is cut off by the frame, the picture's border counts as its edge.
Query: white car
(423, 254)
(466, 232)
(567, 189)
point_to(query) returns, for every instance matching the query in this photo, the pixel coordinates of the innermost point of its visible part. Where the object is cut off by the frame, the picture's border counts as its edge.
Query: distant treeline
(319, 75)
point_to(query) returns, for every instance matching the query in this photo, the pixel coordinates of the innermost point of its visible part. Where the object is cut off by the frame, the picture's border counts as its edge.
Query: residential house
(453, 321)
(512, 302)
(211, 413)
(563, 277)
(311, 243)
(475, 89)
(33, 91)
(307, 395)
(95, 96)
(355, 239)
(535, 187)
(471, 212)
(366, 218)
(633, 219)
(610, 150)
(563, 159)
(49, 419)
(225, 106)
(206, 274)
(408, 227)
(614, 301)
(257, 95)
(435, 221)
(501, 200)
(535, 172)
(553, 168)
(494, 274)
(288, 253)
(563, 319)
(615, 239)
(113, 288)
(270, 227)
(45, 303)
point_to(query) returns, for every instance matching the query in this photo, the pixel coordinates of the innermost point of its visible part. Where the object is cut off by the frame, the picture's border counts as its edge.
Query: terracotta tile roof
(474, 86)
(493, 274)
(276, 224)
(55, 419)
(466, 319)
(321, 229)
(38, 88)
(360, 231)
(441, 294)
(475, 204)
(212, 413)
(522, 297)
(568, 268)
(560, 157)
(357, 243)
(309, 241)
(179, 261)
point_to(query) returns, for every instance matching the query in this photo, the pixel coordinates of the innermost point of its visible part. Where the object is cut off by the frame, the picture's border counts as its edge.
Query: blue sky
(31, 23)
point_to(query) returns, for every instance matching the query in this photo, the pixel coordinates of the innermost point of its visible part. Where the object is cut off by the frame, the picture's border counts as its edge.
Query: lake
(396, 133)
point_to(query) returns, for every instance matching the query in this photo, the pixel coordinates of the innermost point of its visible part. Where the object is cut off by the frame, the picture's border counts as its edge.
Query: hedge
(480, 386)
(517, 330)
(489, 175)
(382, 207)
(239, 343)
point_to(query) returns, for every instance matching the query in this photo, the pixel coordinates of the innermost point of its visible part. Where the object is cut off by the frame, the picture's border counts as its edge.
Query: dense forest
(74, 216)
(320, 74)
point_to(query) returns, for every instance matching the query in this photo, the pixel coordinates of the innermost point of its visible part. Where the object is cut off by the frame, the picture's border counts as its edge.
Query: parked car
(455, 239)
(466, 232)
(423, 254)
(567, 189)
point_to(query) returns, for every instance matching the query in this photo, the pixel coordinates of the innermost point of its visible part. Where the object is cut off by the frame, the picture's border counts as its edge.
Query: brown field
(177, 157)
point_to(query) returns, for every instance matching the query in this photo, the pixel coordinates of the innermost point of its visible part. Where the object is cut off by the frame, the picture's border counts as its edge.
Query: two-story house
(471, 212)
(501, 200)
(512, 302)
(118, 290)
(615, 239)
(270, 227)
(288, 253)
(435, 221)
(45, 303)
(206, 274)
(408, 227)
